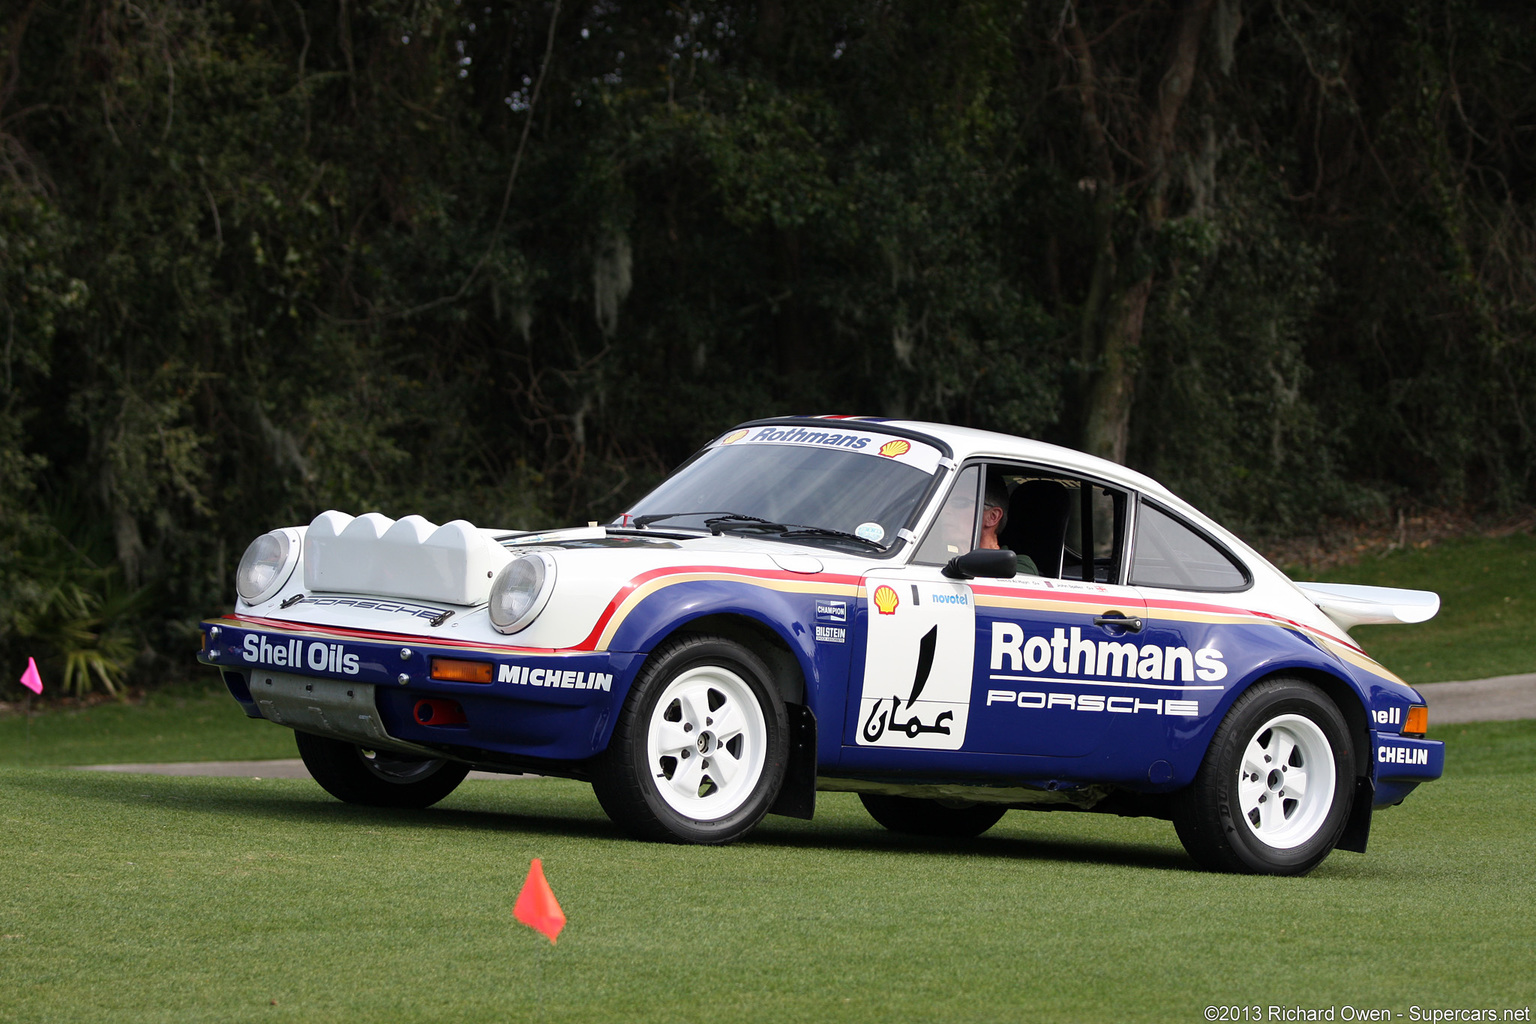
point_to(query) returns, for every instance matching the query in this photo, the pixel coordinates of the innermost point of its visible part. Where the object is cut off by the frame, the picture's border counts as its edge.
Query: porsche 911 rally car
(948, 622)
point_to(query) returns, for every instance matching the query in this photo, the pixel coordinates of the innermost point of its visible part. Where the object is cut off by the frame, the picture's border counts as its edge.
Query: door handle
(1119, 620)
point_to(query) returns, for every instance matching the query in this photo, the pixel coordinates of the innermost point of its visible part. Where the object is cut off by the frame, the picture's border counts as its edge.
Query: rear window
(1171, 554)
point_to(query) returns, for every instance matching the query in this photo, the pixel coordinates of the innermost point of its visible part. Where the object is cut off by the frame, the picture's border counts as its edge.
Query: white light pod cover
(408, 558)
(266, 566)
(521, 591)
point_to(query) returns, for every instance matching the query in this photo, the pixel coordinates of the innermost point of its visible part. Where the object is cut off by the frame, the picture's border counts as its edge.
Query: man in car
(994, 516)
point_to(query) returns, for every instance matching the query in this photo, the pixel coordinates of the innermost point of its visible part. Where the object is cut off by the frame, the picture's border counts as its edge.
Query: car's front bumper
(378, 689)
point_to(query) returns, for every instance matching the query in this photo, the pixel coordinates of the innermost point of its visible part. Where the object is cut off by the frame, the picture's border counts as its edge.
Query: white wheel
(1286, 781)
(1274, 790)
(706, 742)
(700, 749)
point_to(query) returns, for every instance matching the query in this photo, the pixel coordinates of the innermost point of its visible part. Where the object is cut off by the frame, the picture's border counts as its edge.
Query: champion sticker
(831, 611)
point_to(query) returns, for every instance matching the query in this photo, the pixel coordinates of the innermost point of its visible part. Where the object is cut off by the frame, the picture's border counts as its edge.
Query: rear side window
(1170, 554)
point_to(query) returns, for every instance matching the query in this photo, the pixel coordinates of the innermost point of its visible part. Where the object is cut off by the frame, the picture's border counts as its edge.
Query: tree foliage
(511, 261)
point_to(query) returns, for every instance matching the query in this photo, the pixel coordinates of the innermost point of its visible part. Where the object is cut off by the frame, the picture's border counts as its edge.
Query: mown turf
(1487, 589)
(135, 898)
(184, 723)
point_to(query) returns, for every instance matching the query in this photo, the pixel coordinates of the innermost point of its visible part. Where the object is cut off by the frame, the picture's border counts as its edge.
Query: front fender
(786, 608)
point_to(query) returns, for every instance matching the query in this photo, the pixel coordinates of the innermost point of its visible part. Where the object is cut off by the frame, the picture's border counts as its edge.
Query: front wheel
(917, 817)
(1274, 792)
(699, 751)
(377, 778)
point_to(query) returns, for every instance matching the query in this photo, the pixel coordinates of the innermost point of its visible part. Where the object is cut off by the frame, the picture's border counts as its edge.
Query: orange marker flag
(536, 904)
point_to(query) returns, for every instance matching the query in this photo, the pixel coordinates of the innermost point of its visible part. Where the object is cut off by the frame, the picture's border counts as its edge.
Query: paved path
(1500, 699)
(1479, 700)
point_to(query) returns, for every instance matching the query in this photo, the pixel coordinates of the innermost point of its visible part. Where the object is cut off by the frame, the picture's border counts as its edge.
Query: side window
(1170, 554)
(1096, 523)
(954, 530)
(1045, 523)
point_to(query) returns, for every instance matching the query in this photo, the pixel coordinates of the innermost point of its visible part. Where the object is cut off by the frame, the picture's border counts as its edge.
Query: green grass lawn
(183, 723)
(138, 898)
(1487, 589)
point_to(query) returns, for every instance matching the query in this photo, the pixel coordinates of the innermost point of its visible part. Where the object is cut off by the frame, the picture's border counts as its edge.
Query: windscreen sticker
(871, 532)
(883, 446)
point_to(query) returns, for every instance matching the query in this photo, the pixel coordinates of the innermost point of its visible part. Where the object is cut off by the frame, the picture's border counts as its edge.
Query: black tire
(377, 778)
(702, 707)
(1238, 815)
(914, 816)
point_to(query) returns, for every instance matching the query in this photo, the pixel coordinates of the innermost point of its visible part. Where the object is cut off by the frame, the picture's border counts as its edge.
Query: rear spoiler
(1350, 605)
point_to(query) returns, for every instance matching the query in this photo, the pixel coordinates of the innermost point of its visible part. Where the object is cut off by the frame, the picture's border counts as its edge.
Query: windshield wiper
(722, 523)
(719, 522)
(823, 531)
(726, 520)
(641, 522)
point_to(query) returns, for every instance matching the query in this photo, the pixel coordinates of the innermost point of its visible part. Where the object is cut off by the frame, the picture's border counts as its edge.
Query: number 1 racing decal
(917, 672)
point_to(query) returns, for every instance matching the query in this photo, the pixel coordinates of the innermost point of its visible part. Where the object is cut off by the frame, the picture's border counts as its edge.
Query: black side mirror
(992, 563)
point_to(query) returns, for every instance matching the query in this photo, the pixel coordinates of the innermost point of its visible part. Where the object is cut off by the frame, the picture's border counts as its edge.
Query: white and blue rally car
(815, 603)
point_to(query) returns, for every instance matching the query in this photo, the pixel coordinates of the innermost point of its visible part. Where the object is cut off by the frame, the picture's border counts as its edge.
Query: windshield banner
(882, 446)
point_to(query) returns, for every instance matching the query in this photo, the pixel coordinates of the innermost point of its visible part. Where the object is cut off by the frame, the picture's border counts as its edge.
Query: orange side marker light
(455, 670)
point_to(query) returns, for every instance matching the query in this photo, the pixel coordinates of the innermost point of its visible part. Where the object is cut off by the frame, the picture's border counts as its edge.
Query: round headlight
(521, 590)
(266, 566)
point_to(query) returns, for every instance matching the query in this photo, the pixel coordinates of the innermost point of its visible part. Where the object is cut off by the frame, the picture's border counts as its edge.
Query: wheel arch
(789, 676)
(1350, 705)
(752, 616)
(1344, 695)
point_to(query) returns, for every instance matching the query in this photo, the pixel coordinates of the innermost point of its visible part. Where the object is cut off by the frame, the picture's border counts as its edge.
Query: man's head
(994, 510)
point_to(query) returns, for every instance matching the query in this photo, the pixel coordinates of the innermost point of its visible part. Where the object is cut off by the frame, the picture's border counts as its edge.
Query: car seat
(1037, 523)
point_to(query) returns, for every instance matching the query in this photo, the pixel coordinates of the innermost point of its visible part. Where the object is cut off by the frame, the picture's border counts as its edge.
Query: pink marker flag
(30, 679)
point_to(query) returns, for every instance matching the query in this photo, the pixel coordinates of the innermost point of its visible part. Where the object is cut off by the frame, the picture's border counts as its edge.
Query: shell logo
(886, 600)
(733, 437)
(891, 449)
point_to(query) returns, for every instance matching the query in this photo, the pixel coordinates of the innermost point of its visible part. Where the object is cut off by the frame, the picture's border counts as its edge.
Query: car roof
(967, 442)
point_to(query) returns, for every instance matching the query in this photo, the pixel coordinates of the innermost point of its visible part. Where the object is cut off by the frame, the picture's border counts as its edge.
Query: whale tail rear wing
(1353, 605)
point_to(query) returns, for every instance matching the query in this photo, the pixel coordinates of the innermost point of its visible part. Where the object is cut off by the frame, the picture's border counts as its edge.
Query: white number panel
(917, 673)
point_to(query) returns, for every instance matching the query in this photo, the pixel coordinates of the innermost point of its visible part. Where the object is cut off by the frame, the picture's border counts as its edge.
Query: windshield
(813, 491)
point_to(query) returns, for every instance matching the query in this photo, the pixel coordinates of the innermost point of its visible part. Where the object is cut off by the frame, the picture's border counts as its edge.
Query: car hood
(433, 584)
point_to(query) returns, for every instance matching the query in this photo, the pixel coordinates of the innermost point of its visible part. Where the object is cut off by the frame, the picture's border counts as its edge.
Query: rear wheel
(1274, 792)
(917, 817)
(699, 752)
(377, 777)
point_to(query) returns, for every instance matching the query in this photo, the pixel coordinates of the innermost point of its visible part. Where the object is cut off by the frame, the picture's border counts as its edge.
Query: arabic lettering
(873, 729)
(878, 722)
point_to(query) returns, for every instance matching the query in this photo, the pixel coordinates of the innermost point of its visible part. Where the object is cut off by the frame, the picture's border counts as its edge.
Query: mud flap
(1358, 828)
(797, 797)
